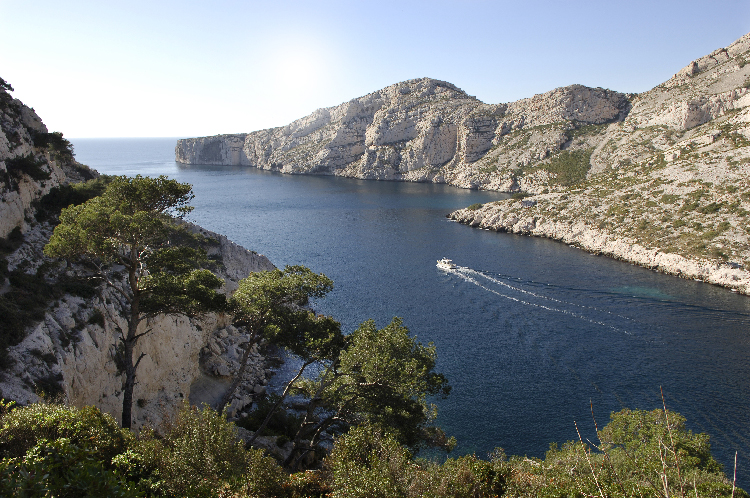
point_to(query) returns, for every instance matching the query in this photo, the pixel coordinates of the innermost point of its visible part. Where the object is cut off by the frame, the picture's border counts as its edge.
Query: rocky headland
(659, 178)
(69, 350)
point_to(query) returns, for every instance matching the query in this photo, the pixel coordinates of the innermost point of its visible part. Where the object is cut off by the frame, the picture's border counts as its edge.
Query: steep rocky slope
(668, 186)
(32, 161)
(659, 178)
(70, 350)
(418, 130)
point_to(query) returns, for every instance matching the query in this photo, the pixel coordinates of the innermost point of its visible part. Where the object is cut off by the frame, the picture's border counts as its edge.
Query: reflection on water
(646, 292)
(528, 331)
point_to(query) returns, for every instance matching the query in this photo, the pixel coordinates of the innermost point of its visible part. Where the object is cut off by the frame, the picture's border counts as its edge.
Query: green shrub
(21, 429)
(55, 142)
(198, 455)
(475, 206)
(27, 299)
(62, 196)
(96, 318)
(570, 167)
(307, 484)
(639, 453)
(12, 242)
(710, 208)
(283, 424)
(27, 165)
(669, 198)
(463, 477)
(368, 462)
(61, 469)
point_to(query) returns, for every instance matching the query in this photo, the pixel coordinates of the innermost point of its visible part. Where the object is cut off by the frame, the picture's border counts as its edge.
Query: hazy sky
(179, 69)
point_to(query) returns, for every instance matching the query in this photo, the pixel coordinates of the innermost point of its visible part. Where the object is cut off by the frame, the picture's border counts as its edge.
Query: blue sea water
(530, 332)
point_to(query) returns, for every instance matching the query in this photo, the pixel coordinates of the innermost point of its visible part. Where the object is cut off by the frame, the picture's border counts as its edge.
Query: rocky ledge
(517, 217)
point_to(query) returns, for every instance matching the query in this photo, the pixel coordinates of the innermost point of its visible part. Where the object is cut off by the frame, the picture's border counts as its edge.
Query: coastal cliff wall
(71, 350)
(659, 178)
(417, 130)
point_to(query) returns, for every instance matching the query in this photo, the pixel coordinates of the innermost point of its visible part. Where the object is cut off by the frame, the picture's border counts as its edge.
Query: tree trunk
(128, 343)
(127, 393)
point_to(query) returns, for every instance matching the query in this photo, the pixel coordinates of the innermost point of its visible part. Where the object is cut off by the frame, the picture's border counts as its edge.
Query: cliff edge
(65, 346)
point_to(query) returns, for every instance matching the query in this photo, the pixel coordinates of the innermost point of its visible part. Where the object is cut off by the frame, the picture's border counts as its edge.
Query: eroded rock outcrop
(668, 186)
(417, 130)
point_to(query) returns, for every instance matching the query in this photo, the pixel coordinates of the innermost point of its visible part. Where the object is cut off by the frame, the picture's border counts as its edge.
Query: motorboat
(446, 264)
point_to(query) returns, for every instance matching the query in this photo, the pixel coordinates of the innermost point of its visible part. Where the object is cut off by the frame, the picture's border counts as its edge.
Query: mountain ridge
(658, 178)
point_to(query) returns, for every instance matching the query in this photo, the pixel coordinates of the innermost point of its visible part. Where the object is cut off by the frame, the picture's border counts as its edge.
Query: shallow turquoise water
(528, 331)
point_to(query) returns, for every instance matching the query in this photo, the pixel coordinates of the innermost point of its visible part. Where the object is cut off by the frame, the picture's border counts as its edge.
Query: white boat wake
(540, 296)
(471, 276)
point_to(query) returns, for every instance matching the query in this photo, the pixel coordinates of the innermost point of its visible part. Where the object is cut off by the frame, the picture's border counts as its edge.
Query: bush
(463, 477)
(369, 462)
(61, 469)
(570, 167)
(474, 207)
(22, 429)
(641, 453)
(27, 300)
(62, 196)
(198, 456)
(55, 142)
(12, 242)
(282, 423)
(27, 165)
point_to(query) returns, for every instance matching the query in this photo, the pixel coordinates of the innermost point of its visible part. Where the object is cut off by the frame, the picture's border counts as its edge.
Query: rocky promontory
(421, 130)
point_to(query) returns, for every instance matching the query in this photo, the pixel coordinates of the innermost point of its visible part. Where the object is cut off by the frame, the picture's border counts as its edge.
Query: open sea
(530, 332)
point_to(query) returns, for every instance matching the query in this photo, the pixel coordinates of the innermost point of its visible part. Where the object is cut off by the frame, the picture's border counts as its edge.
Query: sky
(195, 68)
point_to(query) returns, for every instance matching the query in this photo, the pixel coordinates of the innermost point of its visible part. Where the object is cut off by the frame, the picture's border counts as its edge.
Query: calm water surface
(529, 332)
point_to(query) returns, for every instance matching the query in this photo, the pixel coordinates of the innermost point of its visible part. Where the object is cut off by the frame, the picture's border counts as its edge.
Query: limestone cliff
(666, 187)
(30, 163)
(418, 130)
(658, 178)
(71, 350)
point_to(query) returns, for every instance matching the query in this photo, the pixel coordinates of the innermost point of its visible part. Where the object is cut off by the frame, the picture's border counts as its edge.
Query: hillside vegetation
(51, 450)
(666, 187)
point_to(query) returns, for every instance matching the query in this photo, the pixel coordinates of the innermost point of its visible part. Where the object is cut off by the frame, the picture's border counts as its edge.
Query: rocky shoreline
(504, 217)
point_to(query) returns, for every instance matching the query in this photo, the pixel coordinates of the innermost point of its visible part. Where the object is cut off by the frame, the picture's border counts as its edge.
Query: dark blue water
(530, 332)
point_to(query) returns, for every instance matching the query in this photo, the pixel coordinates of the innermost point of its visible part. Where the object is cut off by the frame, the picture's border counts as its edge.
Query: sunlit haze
(182, 69)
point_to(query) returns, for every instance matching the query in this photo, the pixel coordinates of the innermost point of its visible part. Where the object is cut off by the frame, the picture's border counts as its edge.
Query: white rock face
(18, 125)
(71, 347)
(502, 217)
(417, 130)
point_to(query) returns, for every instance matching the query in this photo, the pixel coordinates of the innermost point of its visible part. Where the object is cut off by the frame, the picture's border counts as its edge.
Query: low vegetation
(54, 450)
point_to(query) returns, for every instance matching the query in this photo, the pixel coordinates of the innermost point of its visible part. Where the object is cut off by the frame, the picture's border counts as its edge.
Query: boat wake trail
(540, 296)
(529, 298)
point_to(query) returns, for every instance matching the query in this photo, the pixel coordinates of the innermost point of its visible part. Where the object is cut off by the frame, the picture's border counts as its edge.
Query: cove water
(530, 332)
